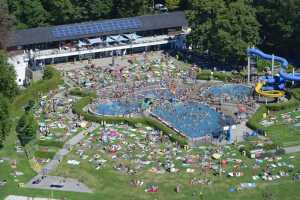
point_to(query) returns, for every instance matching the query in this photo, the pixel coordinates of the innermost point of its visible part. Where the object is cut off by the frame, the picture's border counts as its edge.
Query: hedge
(52, 143)
(222, 76)
(81, 93)
(295, 93)
(44, 154)
(150, 121)
(253, 122)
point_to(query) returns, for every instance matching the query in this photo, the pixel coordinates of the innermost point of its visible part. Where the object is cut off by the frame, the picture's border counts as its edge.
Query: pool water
(114, 108)
(191, 118)
(236, 91)
(122, 107)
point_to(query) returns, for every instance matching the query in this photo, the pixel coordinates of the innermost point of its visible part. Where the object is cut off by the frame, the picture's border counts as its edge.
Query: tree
(28, 13)
(60, 11)
(48, 73)
(125, 8)
(5, 119)
(5, 24)
(92, 9)
(280, 25)
(172, 4)
(26, 128)
(223, 29)
(8, 86)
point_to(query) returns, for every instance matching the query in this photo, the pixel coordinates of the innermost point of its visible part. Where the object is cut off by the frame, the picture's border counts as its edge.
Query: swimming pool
(115, 108)
(191, 118)
(237, 91)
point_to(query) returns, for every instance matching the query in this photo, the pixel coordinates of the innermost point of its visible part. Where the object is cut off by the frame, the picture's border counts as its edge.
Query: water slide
(283, 62)
(271, 92)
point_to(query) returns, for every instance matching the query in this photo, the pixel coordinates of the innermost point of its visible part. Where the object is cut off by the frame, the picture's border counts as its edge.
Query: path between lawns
(68, 184)
(292, 149)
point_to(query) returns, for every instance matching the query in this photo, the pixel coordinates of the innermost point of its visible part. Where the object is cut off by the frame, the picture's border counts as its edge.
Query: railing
(142, 42)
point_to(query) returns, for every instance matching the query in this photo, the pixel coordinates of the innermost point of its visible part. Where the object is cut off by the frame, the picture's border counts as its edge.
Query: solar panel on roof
(95, 27)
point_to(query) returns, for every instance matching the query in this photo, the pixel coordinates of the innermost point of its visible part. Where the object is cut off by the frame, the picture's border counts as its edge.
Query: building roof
(97, 28)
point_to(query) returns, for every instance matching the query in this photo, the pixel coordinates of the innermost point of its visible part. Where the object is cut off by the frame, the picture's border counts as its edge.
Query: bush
(295, 93)
(280, 152)
(44, 154)
(221, 76)
(253, 122)
(53, 143)
(269, 147)
(81, 93)
(285, 105)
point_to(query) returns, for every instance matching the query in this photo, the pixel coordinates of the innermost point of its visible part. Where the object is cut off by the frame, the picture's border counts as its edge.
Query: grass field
(283, 131)
(110, 184)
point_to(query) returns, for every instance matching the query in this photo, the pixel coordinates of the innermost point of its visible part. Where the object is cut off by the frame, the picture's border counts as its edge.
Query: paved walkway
(52, 165)
(68, 183)
(58, 183)
(292, 149)
(14, 197)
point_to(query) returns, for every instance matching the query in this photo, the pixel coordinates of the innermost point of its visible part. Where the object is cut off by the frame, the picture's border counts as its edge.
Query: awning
(82, 43)
(119, 38)
(95, 41)
(109, 39)
(132, 36)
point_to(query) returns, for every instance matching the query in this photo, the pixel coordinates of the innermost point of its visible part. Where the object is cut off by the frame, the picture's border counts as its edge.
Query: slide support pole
(272, 71)
(293, 82)
(248, 70)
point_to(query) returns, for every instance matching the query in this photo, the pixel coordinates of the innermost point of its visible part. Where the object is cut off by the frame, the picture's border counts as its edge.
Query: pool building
(96, 39)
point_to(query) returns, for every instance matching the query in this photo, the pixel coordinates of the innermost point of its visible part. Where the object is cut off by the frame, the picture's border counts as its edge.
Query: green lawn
(108, 183)
(283, 132)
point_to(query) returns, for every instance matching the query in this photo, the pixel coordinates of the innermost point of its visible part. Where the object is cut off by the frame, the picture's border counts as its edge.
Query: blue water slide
(283, 62)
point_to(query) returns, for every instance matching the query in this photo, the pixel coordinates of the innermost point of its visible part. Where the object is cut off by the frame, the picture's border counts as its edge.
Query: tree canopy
(280, 28)
(8, 86)
(224, 29)
(27, 127)
(5, 24)
(5, 119)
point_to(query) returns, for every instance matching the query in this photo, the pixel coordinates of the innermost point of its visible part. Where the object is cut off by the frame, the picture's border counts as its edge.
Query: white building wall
(20, 67)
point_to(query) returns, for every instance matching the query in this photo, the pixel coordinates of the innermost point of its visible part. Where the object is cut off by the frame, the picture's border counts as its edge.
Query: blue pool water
(237, 91)
(191, 118)
(117, 108)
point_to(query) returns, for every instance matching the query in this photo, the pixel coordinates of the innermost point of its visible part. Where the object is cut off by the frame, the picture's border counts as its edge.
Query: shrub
(253, 122)
(53, 143)
(81, 93)
(221, 76)
(269, 147)
(44, 154)
(280, 152)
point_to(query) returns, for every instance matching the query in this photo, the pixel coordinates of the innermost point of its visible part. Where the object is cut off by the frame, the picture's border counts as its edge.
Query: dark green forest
(224, 28)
